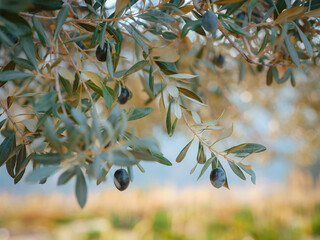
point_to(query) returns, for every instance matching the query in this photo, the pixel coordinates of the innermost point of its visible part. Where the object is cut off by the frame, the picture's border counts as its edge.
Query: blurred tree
(68, 66)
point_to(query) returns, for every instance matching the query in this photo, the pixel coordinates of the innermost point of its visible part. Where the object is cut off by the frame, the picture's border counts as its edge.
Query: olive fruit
(101, 54)
(124, 96)
(81, 45)
(241, 16)
(210, 22)
(220, 60)
(217, 177)
(121, 179)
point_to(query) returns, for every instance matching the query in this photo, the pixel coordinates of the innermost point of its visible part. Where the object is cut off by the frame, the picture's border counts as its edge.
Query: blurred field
(290, 211)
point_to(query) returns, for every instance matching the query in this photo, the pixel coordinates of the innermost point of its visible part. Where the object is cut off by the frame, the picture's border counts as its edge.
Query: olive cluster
(101, 55)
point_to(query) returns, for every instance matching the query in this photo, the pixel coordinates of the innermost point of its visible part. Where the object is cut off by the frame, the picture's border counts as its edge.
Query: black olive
(210, 22)
(241, 16)
(121, 179)
(124, 96)
(217, 177)
(101, 54)
(220, 60)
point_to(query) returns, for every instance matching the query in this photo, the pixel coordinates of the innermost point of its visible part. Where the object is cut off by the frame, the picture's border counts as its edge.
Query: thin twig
(13, 122)
(58, 86)
(249, 60)
(77, 71)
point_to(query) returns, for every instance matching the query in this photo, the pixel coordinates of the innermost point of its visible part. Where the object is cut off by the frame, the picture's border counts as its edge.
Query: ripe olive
(121, 179)
(210, 22)
(217, 177)
(241, 16)
(124, 96)
(220, 60)
(101, 54)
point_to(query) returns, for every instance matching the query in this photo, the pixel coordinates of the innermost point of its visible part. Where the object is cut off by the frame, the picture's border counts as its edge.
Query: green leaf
(168, 119)
(5, 148)
(194, 26)
(14, 23)
(102, 35)
(201, 157)
(21, 164)
(205, 166)
(251, 6)
(139, 113)
(62, 15)
(161, 159)
(24, 63)
(250, 172)
(136, 67)
(189, 94)
(151, 80)
(11, 162)
(264, 42)
(66, 176)
(169, 35)
(108, 95)
(5, 39)
(269, 76)
(305, 42)
(47, 158)
(41, 173)
(245, 149)
(236, 170)
(237, 29)
(81, 188)
(183, 152)
(50, 134)
(66, 84)
(167, 67)
(109, 62)
(29, 49)
(13, 75)
(292, 51)
(40, 31)
(137, 37)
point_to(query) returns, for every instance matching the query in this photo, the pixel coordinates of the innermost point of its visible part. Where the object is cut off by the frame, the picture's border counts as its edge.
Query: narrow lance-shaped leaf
(40, 31)
(109, 62)
(29, 49)
(66, 176)
(189, 94)
(136, 37)
(5, 148)
(107, 95)
(205, 166)
(183, 152)
(139, 113)
(81, 188)
(305, 42)
(41, 173)
(168, 120)
(62, 15)
(12, 75)
(292, 51)
(237, 170)
(250, 172)
(136, 67)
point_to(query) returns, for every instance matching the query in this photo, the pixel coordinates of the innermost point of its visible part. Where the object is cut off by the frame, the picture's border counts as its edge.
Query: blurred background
(169, 203)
